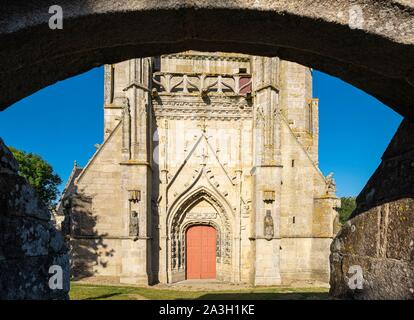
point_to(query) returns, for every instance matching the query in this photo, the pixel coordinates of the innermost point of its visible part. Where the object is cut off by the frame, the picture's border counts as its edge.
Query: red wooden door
(201, 252)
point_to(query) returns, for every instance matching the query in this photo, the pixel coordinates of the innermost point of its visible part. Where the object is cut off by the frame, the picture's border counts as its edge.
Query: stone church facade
(208, 170)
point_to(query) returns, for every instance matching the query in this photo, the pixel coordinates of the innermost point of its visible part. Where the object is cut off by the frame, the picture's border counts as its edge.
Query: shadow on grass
(96, 292)
(104, 296)
(266, 296)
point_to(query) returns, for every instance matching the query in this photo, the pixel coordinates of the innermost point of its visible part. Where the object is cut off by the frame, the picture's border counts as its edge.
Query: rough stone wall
(379, 237)
(29, 244)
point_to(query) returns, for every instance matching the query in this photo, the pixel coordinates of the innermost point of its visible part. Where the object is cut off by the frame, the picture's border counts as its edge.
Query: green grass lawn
(109, 292)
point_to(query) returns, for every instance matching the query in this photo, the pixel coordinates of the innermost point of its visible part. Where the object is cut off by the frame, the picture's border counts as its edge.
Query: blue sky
(64, 121)
(355, 129)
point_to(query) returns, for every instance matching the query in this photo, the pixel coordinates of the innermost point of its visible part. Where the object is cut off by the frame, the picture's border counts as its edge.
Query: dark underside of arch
(35, 57)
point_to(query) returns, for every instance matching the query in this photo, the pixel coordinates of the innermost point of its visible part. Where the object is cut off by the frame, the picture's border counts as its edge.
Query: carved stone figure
(268, 226)
(134, 224)
(330, 184)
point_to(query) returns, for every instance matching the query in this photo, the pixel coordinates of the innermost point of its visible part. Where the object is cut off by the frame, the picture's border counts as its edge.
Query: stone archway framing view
(347, 39)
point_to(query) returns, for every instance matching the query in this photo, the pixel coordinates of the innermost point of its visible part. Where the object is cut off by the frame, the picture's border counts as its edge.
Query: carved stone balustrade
(202, 83)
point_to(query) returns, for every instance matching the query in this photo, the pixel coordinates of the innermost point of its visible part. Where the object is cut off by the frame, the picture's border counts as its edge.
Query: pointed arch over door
(201, 208)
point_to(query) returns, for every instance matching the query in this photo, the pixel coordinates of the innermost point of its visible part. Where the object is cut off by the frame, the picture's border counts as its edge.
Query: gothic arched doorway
(201, 252)
(201, 208)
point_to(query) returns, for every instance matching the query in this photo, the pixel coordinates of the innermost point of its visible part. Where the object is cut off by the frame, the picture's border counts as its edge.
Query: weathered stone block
(379, 237)
(29, 244)
(28, 278)
(382, 278)
(400, 231)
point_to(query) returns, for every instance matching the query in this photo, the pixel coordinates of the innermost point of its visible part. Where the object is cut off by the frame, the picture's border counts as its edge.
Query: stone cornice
(289, 237)
(93, 237)
(135, 162)
(198, 114)
(209, 56)
(217, 101)
(218, 109)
